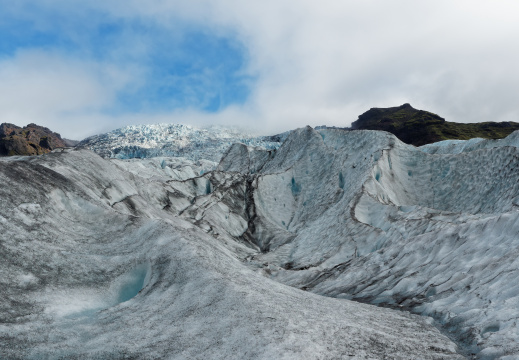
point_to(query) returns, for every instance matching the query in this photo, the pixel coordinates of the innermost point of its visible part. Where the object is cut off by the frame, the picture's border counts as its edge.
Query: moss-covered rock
(419, 127)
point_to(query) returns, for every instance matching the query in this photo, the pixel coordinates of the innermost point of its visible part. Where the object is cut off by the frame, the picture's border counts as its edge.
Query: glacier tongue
(174, 258)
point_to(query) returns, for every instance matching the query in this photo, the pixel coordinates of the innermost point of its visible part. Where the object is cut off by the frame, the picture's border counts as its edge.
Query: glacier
(336, 244)
(174, 140)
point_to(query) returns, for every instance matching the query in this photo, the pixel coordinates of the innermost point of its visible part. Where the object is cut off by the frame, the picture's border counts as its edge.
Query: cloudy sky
(85, 67)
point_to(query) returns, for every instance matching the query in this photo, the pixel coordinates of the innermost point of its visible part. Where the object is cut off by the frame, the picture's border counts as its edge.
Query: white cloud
(51, 89)
(326, 62)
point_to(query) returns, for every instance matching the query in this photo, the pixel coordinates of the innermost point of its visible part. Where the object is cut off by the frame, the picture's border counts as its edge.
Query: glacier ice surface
(258, 255)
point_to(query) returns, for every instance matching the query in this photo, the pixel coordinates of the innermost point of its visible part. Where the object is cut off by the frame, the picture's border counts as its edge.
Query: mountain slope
(419, 127)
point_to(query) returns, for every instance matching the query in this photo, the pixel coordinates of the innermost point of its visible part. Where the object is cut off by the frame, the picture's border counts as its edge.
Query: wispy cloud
(38, 85)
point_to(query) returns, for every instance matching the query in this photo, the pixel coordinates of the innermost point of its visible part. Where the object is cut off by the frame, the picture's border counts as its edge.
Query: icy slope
(104, 260)
(360, 215)
(144, 141)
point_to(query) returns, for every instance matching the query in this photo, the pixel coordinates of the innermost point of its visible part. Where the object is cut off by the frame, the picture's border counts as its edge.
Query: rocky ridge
(29, 140)
(419, 127)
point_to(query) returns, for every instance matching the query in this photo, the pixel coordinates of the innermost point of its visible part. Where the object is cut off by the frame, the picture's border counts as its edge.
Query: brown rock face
(29, 140)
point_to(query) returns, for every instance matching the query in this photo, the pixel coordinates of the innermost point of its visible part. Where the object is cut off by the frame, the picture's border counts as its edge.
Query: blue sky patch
(200, 71)
(178, 68)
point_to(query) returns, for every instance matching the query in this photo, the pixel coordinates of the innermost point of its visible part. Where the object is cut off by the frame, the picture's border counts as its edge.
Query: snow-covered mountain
(145, 141)
(262, 256)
